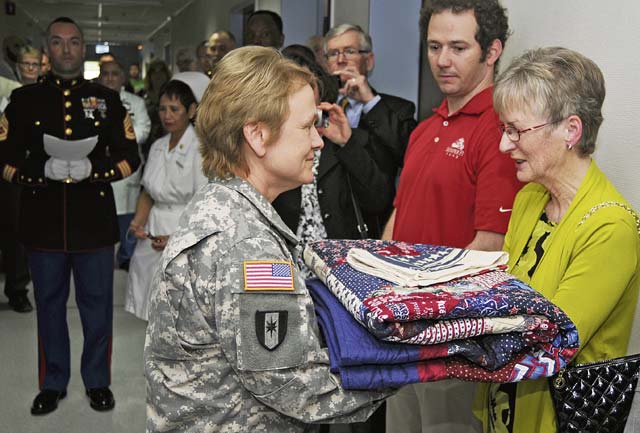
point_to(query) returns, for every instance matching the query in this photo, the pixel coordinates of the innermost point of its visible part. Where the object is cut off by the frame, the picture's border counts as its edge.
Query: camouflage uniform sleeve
(123, 157)
(270, 339)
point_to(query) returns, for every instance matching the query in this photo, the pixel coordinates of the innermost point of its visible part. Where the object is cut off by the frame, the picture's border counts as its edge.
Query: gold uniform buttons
(67, 104)
(74, 82)
(66, 92)
(106, 174)
(113, 173)
(29, 180)
(96, 175)
(101, 193)
(68, 131)
(39, 180)
(37, 123)
(96, 123)
(67, 117)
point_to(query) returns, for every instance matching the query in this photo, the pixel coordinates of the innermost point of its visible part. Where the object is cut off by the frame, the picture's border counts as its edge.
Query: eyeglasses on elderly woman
(513, 133)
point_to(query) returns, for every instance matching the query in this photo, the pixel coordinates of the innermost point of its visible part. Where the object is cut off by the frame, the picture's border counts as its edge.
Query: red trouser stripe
(42, 368)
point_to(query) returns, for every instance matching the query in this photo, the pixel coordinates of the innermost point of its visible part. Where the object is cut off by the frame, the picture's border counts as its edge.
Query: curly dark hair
(490, 16)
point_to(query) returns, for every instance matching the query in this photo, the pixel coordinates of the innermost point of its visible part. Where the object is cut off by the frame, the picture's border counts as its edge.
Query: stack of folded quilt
(438, 313)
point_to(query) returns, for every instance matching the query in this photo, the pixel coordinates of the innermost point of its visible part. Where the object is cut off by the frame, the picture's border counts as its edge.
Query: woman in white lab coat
(172, 175)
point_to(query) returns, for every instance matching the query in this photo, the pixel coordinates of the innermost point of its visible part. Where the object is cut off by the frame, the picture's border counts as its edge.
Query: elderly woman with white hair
(572, 236)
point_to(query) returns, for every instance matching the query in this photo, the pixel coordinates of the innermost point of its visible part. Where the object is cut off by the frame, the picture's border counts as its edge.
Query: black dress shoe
(47, 401)
(20, 304)
(101, 399)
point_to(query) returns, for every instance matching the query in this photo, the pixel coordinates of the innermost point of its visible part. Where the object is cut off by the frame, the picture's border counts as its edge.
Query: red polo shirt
(455, 181)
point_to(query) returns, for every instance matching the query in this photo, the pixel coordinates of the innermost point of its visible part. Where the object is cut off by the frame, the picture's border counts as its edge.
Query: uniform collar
(261, 203)
(186, 141)
(477, 105)
(62, 82)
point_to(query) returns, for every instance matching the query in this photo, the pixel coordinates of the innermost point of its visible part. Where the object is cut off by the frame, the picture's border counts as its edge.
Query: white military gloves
(80, 170)
(72, 171)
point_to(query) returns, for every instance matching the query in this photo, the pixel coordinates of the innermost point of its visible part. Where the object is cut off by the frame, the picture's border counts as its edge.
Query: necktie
(344, 103)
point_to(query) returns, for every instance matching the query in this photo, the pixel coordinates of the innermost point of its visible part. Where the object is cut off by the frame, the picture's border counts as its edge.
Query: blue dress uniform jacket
(58, 216)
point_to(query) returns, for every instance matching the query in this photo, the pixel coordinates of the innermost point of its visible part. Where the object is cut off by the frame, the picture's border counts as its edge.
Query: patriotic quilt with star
(488, 326)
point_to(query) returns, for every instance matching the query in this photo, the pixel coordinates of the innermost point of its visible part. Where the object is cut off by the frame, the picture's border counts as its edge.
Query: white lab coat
(171, 178)
(125, 191)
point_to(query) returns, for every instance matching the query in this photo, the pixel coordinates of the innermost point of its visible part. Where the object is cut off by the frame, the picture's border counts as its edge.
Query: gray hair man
(381, 123)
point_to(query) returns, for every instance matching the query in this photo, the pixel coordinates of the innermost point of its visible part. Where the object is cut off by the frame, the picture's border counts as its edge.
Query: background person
(203, 58)
(172, 174)
(220, 43)
(324, 209)
(126, 191)
(45, 65)
(135, 83)
(29, 63)
(264, 28)
(14, 256)
(250, 356)
(185, 60)
(10, 46)
(568, 218)
(380, 123)
(158, 74)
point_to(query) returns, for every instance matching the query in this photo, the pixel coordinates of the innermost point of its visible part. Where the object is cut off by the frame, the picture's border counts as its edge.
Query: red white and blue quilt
(488, 327)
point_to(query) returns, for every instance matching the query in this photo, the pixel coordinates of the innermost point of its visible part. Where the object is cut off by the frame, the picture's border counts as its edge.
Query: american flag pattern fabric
(486, 327)
(267, 275)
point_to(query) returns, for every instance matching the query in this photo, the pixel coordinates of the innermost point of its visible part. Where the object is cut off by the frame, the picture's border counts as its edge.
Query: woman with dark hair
(172, 175)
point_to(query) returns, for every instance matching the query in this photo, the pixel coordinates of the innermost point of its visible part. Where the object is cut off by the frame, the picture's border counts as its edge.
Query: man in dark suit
(67, 217)
(381, 123)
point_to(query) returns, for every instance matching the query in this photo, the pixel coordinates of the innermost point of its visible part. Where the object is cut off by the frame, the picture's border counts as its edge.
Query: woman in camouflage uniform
(233, 343)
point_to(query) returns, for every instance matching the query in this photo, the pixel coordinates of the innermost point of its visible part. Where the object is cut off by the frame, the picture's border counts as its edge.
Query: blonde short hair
(555, 83)
(29, 50)
(250, 84)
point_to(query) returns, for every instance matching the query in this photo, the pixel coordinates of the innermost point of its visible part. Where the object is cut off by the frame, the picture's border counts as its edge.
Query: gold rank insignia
(128, 128)
(124, 167)
(8, 172)
(4, 128)
(262, 275)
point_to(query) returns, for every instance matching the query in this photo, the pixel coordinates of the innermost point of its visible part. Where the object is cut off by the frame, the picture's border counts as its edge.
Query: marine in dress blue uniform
(69, 225)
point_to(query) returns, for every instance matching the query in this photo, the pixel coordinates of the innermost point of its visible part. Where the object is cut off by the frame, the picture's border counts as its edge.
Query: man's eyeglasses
(513, 134)
(29, 64)
(348, 53)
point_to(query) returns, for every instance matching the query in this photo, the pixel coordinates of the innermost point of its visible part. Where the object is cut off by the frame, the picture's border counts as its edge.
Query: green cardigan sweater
(590, 270)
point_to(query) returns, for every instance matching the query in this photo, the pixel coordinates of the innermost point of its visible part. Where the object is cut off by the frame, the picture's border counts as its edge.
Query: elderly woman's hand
(338, 130)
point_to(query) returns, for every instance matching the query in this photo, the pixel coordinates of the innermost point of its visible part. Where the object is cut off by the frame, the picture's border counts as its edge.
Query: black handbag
(595, 397)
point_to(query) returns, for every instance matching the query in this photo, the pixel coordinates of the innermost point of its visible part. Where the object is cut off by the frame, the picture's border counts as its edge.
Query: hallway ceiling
(113, 21)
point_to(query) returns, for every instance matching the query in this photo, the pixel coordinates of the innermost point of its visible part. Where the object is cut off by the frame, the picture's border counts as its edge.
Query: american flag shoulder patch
(268, 275)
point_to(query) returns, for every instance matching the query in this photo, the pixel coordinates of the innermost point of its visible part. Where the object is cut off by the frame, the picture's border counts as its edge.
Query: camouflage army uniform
(206, 367)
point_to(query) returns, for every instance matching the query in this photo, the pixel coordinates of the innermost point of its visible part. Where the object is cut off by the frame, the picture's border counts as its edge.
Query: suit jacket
(385, 131)
(372, 188)
(62, 216)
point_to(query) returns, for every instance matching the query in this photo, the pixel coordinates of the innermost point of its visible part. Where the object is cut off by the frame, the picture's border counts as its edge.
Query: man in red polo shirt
(456, 188)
